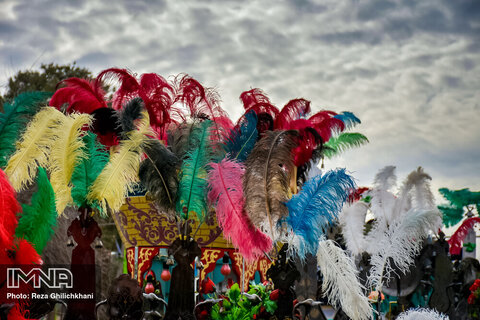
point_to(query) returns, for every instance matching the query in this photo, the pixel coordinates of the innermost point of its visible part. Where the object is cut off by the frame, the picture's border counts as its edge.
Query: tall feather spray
(415, 192)
(383, 201)
(400, 243)
(34, 147)
(352, 221)
(340, 282)
(116, 179)
(242, 139)
(158, 174)
(312, 210)
(67, 152)
(14, 119)
(87, 170)
(9, 208)
(193, 175)
(226, 191)
(266, 179)
(39, 218)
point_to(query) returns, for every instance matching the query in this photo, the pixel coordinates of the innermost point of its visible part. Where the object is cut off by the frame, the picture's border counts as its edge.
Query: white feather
(415, 192)
(385, 179)
(422, 314)
(352, 221)
(400, 243)
(340, 282)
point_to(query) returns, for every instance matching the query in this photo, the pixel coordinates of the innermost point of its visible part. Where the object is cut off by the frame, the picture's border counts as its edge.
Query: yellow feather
(34, 147)
(66, 152)
(116, 179)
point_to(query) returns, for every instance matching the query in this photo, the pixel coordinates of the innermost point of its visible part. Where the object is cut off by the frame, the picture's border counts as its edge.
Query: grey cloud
(374, 9)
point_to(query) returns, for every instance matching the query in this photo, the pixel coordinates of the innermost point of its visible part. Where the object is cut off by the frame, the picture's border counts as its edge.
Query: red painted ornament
(149, 288)
(165, 275)
(225, 269)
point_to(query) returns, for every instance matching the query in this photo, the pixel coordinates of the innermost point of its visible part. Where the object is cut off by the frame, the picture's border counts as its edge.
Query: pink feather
(225, 180)
(457, 238)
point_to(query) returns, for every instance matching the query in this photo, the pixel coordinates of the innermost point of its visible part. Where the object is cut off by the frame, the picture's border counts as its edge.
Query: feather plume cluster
(400, 243)
(226, 191)
(33, 149)
(312, 210)
(66, 153)
(422, 314)
(14, 119)
(121, 172)
(340, 281)
(266, 178)
(40, 217)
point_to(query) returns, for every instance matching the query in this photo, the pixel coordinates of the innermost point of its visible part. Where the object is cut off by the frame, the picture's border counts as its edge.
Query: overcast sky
(410, 70)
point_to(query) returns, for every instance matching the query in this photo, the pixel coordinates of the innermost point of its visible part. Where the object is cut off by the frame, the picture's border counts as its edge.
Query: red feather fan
(80, 95)
(457, 238)
(225, 180)
(326, 127)
(129, 87)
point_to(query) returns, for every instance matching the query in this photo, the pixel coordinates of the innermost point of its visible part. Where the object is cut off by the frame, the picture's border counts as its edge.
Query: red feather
(457, 238)
(9, 208)
(204, 103)
(327, 127)
(225, 180)
(295, 109)
(252, 97)
(81, 95)
(26, 254)
(322, 115)
(357, 194)
(129, 87)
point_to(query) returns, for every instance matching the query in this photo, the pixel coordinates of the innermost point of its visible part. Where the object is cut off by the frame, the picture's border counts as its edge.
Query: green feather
(193, 175)
(39, 218)
(87, 170)
(461, 198)
(451, 215)
(344, 141)
(14, 119)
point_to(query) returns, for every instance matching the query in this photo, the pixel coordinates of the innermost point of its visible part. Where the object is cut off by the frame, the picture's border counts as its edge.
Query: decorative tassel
(15, 118)
(193, 175)
(66, 153)
(226, 191)
(116, 179)
(340, 283)
(33, 150)
(312, 210)
(38, 219)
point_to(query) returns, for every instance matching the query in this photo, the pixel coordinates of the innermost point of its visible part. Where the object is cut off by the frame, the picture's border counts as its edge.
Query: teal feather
(14, 119)
(88, 169)
(192, 188)
(38, 219)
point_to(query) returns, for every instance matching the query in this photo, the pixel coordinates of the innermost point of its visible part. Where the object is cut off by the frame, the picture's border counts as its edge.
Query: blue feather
(243, 139)
(316, 207)
(348, 118)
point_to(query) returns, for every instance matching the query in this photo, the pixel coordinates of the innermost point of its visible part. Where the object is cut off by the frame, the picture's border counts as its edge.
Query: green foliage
(451, 215)
(38, 219)
(14, 120)
(237, 306)
(454, 212)
(88, 169)
(344, 141)
(44, 80)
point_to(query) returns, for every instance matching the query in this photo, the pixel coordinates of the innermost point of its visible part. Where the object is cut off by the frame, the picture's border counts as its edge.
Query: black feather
(131, 112)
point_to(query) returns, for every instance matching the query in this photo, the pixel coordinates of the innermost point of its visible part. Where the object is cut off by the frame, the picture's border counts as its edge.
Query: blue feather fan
(348, 118)
(243, 139)
(317, 206)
